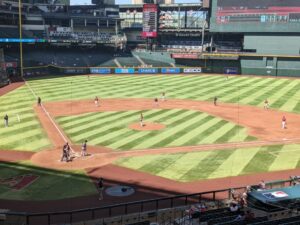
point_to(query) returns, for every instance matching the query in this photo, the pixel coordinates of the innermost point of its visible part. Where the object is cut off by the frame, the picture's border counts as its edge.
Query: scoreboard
(150, 20)
(256, 16)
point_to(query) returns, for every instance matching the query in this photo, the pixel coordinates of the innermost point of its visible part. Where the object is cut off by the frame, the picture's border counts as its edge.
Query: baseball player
(215, 101)
(142, 120)
(100, 187)
(163, 96)
(84, 148)
(96, 101)
(266, 104)
(283, 122)
(65, 153)
(156, 102)
(6, 120)
(39, 101)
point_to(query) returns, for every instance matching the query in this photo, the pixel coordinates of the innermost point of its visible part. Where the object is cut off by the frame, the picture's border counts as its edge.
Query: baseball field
(186, 140)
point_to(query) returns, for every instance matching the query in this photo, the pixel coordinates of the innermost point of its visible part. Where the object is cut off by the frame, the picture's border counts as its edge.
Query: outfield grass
(183, 127)
(194, 166)
(51, 184)
(282, 94)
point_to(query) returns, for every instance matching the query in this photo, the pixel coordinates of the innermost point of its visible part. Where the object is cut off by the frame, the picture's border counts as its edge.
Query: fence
(57, 70)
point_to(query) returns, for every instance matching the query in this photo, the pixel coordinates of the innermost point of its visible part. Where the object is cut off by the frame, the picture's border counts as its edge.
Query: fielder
(215, 101)
(283, 122)
(96, 101)
(141, 120)
(84, 148)
(163, 96)
(266, 104)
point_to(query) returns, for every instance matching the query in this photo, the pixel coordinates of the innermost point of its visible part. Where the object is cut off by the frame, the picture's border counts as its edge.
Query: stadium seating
(156, 59)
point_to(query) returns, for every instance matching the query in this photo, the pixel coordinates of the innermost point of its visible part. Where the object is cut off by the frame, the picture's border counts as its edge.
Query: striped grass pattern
(193, 166)
(183, 127)
(283, 94)
(24, 131)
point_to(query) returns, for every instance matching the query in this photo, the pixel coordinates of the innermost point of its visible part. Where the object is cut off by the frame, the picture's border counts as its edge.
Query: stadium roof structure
(285, 197)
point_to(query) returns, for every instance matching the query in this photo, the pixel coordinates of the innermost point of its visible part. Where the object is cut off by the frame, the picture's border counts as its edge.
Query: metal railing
(48, 218)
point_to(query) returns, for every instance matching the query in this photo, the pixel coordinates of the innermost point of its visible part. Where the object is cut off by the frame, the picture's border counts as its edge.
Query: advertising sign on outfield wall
(170, 70)
(124, 70)
(74, 71)
(100, 70)
(193, 70)
(148, 70)
(231, 70)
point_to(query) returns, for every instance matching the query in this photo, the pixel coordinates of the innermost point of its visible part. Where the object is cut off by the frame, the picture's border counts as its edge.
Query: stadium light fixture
(20, 37)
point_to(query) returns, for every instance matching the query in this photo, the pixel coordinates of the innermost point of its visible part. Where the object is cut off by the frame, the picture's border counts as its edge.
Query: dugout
(276, 199)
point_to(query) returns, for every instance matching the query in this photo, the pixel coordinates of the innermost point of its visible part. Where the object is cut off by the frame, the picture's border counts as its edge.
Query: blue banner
(100, 70)
(231, 70)
(147, 70)
(27, 40)
(124, 70)
(170, 70)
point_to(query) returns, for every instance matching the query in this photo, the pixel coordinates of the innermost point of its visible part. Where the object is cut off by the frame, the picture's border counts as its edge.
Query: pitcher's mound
(147, 126)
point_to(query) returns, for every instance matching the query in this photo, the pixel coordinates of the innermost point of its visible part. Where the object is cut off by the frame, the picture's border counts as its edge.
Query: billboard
(100, 70)
(192, 70)
(231, 70)
(149, 20)
(170, 70)
(124, 70)
(255, 16)
(184, 56)
(147, 70)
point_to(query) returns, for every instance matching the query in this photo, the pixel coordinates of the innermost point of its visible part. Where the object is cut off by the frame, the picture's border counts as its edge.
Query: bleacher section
(63, 57)
(128, 61)
(11, 32)
(156, 59)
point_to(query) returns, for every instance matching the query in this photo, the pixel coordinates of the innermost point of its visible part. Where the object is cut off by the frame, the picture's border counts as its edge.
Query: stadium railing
(218, 197)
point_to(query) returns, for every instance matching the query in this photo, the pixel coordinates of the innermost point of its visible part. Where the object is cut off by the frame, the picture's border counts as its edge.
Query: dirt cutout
(147, 126)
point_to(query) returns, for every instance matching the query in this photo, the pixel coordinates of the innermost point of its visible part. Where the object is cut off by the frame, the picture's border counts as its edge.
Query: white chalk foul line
(48, 115)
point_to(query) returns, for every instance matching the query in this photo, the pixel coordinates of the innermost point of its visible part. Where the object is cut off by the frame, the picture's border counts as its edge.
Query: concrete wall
(267, 44)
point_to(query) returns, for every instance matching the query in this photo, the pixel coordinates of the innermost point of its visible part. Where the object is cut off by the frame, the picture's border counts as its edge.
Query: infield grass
(183, 127)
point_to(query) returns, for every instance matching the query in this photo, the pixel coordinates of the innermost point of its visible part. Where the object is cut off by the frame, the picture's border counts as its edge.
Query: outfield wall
(249, 65)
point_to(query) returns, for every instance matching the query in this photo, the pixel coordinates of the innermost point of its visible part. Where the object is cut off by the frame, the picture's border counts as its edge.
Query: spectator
(193, 212)
(240, 217)
(234, 207)
(249, 216)
(262, 185)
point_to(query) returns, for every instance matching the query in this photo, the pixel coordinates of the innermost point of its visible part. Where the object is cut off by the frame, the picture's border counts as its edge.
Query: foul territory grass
(194, 166)
(183, 127)
(24, 131)
(50, 184)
